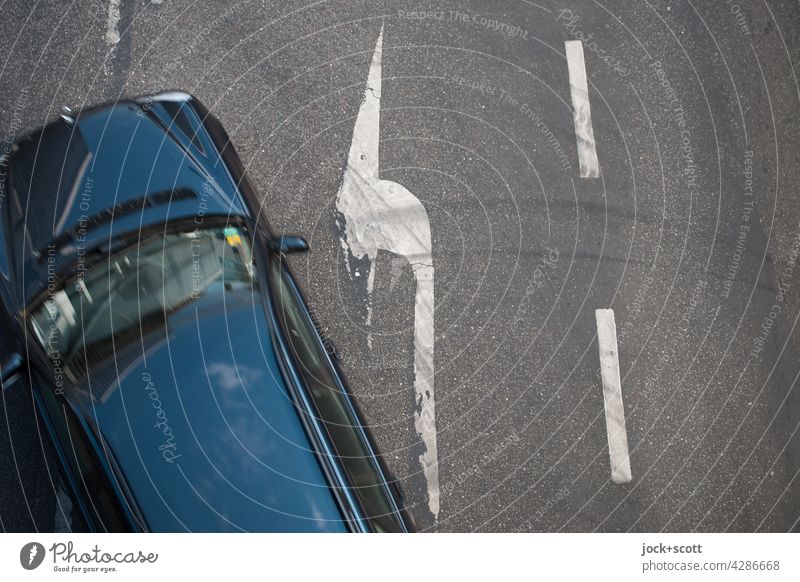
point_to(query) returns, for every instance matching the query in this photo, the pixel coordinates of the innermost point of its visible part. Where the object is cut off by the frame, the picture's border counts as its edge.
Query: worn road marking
(383, 215)
(587, 154)
(612, 396)
(112, 22)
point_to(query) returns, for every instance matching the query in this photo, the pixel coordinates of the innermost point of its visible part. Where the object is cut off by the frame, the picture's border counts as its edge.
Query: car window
(332, 409)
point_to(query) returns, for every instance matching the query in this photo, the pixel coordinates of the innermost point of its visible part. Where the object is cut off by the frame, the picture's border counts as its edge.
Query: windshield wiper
(116, 211)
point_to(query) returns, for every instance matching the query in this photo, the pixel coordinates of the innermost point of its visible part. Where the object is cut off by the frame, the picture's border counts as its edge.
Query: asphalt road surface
(666, 191)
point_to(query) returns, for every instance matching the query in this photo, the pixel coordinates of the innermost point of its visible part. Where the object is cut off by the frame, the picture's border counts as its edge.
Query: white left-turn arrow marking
(383, 215)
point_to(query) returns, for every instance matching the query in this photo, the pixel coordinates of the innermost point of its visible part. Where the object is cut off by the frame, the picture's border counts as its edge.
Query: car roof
(111, 169)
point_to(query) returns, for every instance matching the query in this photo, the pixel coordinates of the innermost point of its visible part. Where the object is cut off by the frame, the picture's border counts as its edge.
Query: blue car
(172, 359)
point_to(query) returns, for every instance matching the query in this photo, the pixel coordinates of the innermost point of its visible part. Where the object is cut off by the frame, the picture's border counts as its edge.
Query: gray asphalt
(694, 108)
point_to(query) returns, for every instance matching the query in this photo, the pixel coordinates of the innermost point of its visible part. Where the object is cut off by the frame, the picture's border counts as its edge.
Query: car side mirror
(10, 367)
(288, 244)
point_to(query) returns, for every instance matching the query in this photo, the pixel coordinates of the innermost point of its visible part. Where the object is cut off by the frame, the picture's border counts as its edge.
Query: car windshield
(120, 298)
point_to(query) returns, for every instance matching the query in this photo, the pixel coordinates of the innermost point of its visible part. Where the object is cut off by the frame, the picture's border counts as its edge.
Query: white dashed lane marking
(579, 89)
(612, 396)
(112, 22)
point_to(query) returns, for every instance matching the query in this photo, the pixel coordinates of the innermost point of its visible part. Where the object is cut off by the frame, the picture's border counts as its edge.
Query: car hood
(197, 419)
(111, 170)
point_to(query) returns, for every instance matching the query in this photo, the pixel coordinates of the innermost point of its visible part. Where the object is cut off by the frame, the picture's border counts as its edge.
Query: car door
(334, 408)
